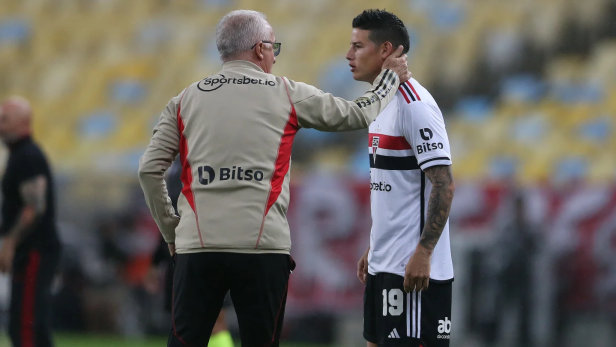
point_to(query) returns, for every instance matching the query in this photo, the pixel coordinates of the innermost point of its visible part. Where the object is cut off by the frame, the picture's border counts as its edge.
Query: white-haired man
(234, 131)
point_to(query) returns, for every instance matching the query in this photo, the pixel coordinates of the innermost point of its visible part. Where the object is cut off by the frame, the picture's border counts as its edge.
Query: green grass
(118, 341)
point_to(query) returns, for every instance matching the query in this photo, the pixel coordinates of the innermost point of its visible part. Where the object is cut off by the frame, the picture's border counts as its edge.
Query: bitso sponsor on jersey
(408, 137)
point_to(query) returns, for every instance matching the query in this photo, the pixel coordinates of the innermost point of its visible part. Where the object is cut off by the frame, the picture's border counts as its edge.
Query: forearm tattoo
(439, 204)
(33, 193)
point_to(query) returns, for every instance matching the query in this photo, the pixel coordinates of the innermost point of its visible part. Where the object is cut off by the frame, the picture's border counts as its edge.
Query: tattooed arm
(33, 194)
(418, 268)
(439, 204)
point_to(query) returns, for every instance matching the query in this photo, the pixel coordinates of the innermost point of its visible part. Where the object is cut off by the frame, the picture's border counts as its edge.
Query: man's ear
(386, 49)
(259, 50)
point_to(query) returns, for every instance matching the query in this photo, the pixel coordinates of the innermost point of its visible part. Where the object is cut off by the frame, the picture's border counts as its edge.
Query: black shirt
(27, 161)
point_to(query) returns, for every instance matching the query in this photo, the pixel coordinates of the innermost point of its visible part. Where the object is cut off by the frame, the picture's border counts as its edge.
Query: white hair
(239, 30)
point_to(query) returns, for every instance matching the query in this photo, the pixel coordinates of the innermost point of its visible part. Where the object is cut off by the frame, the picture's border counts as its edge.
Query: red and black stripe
(409, 92)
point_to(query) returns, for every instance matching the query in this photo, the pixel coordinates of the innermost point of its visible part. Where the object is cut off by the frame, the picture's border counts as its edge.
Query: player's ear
(386, 49)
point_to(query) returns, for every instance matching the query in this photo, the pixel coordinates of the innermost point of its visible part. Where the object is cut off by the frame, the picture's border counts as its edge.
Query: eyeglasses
(276, 46)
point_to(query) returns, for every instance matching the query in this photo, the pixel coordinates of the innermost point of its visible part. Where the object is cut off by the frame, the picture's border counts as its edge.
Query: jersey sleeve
(31, 166)
(424, 129)
(322, 111)
(158, 156)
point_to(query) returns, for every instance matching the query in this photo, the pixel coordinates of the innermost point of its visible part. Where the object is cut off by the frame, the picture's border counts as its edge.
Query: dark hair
(383, 26)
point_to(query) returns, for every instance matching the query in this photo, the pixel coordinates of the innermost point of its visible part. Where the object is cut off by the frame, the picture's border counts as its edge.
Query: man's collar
(20, 141)
(241, 64)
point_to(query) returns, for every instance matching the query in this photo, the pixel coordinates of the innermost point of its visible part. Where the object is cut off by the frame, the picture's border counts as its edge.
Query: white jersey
(407, 137)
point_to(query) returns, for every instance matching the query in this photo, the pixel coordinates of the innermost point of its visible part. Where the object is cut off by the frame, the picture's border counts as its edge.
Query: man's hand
(362, 268)
(171, 248)
(7, 253)
(417, 274)
(398, 64)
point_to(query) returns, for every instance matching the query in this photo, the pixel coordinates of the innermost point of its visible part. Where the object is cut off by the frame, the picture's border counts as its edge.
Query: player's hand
(171, 248)
(398, 64)
(151, 282)
(7, 253)
(417, 274)
(362, 268)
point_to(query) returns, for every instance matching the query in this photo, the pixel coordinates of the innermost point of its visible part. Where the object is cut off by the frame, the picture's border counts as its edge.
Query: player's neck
(372, 78)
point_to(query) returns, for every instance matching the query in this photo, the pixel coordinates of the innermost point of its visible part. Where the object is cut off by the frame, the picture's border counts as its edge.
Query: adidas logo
(394, 334)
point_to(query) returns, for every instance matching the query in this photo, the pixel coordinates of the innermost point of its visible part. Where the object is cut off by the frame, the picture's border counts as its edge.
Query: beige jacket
(234, 131)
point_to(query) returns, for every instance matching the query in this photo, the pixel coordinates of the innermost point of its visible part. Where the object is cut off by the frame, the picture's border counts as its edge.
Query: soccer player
(407, 269)
(30, 249)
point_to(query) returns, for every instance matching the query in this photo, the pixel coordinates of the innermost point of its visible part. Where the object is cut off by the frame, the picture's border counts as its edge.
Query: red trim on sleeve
(186, 176)
(283, 161)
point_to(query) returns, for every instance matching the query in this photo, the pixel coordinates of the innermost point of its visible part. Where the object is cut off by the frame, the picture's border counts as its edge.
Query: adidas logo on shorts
(394, 334)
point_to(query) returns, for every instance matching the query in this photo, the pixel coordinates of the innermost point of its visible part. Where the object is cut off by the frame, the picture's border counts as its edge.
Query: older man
(30, 248)
(234, 131)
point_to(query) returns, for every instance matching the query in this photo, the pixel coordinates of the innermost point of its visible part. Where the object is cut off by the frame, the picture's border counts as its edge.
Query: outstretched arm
(324, 112)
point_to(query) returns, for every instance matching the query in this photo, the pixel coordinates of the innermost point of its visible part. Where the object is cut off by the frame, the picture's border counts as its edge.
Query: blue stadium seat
(98, 124)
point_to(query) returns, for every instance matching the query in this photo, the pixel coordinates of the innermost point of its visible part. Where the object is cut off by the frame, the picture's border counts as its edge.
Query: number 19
(396, 302)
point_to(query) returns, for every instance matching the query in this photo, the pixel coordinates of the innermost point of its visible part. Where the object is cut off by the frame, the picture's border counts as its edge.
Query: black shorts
(258, 285)
(395, 318)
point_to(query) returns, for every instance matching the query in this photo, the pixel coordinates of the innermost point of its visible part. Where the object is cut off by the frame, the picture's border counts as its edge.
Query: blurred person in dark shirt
(30, 247)
(512, 256)
(162, 261)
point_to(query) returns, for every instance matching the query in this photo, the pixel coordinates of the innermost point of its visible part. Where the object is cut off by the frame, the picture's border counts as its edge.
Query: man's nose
(349, 56)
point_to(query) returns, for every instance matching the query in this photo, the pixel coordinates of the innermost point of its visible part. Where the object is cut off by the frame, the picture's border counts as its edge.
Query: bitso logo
(427, 147)
(426, 134)
(206, 171)
(444, 328)
(214, 82)
(375, 146)
(207, 174)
